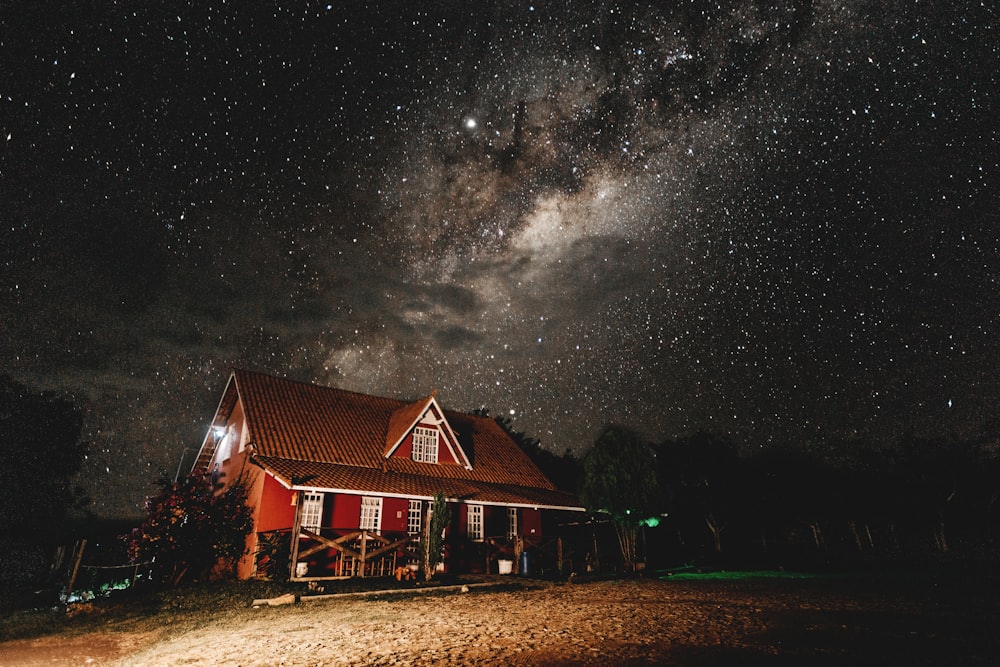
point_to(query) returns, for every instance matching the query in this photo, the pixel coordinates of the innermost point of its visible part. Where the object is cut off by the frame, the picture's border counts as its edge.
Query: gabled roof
(403, 419)
(310, 436)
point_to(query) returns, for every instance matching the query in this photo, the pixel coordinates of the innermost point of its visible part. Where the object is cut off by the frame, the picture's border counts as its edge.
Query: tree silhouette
(564, 470)
(703, 475)
(40, 452)
(619, 479)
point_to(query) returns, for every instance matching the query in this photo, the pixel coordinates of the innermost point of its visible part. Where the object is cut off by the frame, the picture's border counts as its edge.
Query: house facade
(340, 483)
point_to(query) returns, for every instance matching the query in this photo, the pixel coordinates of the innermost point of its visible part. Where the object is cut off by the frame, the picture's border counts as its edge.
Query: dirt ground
(633, 622)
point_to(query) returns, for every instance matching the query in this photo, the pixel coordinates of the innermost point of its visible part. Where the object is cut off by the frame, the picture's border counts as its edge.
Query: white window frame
(474, 523)
(312, 510)
(425, 444)
(415, 517)
(512, 523)
(371, 513)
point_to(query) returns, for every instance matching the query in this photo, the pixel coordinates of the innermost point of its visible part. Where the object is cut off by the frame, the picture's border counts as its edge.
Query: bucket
(505, 566)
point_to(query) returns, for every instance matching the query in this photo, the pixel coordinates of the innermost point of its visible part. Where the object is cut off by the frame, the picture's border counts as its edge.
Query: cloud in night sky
(771, 221)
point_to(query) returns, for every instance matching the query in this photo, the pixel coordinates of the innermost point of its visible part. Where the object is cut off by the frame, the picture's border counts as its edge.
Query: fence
(86, 582)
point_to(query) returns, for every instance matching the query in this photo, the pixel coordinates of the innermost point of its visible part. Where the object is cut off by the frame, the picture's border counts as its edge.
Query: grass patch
(694, 574)
(135, 611)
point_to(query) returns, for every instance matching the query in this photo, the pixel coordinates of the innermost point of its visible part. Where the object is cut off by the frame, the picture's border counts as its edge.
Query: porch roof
(331, 477)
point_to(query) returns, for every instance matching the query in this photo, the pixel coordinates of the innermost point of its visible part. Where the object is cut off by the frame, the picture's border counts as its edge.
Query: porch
(334, 553)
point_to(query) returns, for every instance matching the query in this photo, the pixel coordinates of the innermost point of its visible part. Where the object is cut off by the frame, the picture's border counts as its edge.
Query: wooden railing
(358, 553)
(344, 553)
(546, 554)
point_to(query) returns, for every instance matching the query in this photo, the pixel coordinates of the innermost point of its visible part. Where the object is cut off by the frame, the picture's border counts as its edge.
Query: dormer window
(420, 432)
(425, 444)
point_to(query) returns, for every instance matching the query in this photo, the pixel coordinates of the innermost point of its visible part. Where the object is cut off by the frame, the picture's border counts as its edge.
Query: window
(474, 529)
(371, 513)
(425, 445)
(414, 517)
(511, 523)
(312, 510)
(414, 526)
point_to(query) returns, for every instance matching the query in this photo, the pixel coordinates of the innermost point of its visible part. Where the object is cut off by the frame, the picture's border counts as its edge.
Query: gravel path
(636, 622)
(597, 623)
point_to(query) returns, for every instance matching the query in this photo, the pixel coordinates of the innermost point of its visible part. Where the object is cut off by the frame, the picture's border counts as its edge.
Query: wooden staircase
(203, 465)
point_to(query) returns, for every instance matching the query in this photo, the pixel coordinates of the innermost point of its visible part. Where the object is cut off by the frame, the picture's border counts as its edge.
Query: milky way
(772, 221)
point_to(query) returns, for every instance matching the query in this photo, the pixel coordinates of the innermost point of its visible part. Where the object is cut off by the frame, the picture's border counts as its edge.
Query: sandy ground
(635, 622)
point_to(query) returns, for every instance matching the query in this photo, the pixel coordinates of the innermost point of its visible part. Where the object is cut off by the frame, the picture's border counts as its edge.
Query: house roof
(404, 418)
(310, 436)
(333, 477)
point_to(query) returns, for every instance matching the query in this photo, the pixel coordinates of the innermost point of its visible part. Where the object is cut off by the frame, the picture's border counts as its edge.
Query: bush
(274, 551)
(193, 526)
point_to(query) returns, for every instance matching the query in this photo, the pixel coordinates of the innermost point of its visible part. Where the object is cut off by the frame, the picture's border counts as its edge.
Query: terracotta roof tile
(340, 437)
(401, 419)
(367, 480)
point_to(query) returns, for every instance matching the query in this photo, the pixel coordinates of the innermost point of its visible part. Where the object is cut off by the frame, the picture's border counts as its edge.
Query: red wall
(346, 512)
(339, 510)
(276, 508)
(459, 518)
(531, 522)
(229, 463)
(394, 514)
(444, 453)
(405, 449)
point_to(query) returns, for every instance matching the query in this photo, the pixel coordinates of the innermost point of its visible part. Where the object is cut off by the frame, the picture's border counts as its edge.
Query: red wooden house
(346, 479)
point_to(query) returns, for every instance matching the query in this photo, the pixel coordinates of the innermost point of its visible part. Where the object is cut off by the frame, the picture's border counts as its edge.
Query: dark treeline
(835, 504)
(564, 470)
(41, 452)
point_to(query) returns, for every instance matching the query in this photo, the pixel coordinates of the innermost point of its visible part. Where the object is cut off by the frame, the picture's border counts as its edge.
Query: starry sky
(774, 221)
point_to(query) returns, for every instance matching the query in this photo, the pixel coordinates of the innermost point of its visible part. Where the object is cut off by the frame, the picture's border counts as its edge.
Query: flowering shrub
(274, 551)
(194, 526)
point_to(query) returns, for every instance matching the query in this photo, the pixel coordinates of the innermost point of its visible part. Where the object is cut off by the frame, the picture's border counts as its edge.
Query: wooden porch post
(296, 527)
(364, 551)
(77, 557)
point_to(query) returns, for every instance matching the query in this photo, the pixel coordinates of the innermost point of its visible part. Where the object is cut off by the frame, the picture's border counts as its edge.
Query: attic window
(425, 445)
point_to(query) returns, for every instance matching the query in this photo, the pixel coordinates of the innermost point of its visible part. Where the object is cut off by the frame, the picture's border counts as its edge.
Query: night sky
(773, 221)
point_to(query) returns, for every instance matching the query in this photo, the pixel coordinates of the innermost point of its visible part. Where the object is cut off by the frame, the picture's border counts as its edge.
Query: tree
(439, 516)
(704, 477)
(41, 450)
(193, 525)
(562, 470)
(619, 479)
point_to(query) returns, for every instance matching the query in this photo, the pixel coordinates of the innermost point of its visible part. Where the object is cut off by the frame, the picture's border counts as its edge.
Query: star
(715, 241)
